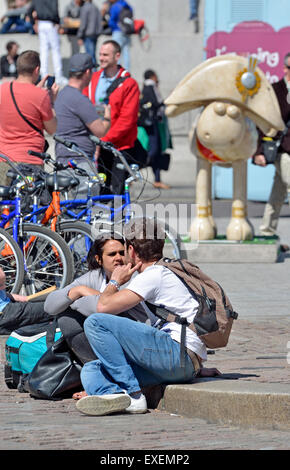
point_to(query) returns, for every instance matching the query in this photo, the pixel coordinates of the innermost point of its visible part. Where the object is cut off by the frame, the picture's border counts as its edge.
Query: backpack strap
(20, 113)
(115, 85)
(167, 316)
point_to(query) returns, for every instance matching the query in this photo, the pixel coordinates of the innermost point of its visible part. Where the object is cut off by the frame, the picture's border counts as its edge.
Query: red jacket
(124, 101)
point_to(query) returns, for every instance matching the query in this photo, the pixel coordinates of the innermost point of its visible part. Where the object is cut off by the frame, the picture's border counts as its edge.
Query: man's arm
(100, 127)
(114, 301)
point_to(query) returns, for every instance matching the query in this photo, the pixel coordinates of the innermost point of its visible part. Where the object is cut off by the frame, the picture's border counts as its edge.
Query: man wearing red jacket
(124, 101)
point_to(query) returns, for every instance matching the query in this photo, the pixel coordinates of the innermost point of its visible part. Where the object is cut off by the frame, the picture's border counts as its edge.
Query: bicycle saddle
(11, 174)
(5, 191)
(63, 182)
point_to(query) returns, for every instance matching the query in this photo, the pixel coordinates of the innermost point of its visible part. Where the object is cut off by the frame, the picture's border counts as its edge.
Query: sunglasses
(287, 67)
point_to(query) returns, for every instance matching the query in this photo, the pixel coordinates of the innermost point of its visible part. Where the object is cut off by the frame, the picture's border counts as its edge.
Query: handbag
(163, 161)
(46, 144)
(271, 147)
(56, 375)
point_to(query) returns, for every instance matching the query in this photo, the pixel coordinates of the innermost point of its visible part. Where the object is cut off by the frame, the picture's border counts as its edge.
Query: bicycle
(120, 213)
(76, 233)
(44, 257)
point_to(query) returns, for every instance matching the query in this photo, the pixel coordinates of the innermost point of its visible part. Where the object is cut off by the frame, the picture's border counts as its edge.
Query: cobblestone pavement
(32, 424)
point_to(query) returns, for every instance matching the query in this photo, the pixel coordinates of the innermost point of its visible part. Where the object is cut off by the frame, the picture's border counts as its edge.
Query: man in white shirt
(133, 355)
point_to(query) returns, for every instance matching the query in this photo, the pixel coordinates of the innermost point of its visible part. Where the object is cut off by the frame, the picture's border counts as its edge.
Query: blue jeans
(130, 355)
(193, 8)
(21, 26)
(90, 44)
(125, 43)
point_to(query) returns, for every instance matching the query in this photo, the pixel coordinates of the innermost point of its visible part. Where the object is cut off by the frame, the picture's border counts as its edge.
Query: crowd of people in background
(84, 21)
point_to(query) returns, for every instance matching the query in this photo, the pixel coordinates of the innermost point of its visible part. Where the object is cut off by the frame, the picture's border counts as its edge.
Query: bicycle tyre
(47, 259)
(11, 261)
(78, 236)
(172, 247)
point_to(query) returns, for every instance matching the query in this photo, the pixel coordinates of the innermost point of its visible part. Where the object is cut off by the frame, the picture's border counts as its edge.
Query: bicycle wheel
(172, 246)
(78, 236)
(11, 261)
(47, 258)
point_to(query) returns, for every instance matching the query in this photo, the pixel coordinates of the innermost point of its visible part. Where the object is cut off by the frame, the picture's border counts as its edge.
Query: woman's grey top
(58, 301)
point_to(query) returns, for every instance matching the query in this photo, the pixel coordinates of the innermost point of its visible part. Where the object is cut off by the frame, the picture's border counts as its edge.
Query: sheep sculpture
(235, 99)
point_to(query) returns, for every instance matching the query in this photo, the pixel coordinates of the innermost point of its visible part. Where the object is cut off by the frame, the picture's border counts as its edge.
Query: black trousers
(18, 314)
(71, 324)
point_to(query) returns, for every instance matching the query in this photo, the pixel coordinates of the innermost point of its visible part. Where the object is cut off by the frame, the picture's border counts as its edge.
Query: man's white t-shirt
(159, 286)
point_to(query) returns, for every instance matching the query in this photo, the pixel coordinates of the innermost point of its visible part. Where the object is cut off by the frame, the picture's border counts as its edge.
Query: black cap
(80, 62)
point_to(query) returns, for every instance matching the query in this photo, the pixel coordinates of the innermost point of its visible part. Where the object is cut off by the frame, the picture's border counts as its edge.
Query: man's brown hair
(147, 238)
(115, 44)
(27, 62)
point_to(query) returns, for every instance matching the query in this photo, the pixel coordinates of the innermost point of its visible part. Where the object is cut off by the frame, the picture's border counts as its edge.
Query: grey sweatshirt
(58, 301)
(90, 21)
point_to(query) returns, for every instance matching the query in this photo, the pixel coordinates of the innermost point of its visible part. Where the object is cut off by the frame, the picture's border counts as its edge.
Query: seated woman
(75, 302)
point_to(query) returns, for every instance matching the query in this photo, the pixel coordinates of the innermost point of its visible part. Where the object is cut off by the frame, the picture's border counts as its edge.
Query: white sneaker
(138, 405)
(99, 405)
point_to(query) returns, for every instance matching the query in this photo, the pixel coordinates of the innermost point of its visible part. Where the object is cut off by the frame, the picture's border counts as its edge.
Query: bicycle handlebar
(110, 147)
(72, 147)
(62, 141)
(42, 155)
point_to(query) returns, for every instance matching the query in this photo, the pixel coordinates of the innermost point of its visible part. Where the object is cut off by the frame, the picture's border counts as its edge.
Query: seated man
(76, 301)
(134, 355)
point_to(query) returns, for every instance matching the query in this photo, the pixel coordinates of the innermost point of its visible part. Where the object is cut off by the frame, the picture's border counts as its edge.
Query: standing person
(90, 28)
(77, 119)
(133, 355)
(118, 34)
(8, 62)
(35, 105)
(281, 182)
(124, 102)
(193, 13)
(47, 24)
(153, 120)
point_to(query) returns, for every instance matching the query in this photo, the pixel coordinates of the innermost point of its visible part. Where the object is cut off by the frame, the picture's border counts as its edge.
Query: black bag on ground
(23, 349)
(56, 375)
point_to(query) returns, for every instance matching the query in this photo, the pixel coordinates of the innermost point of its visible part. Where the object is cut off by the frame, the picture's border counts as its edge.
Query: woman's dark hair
(97, 250)
(10, 45)
(149, 73)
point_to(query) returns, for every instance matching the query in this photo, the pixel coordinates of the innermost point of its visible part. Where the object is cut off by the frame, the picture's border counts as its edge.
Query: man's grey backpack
(214, 318)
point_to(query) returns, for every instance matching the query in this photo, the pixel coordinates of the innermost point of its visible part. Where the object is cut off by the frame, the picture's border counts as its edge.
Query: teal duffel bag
(24, 347)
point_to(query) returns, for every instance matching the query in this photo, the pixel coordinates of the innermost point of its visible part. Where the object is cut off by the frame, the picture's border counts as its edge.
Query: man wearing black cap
(77, 117)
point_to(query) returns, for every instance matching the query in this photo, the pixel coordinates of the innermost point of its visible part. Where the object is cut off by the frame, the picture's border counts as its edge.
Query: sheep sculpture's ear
(230, 78)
